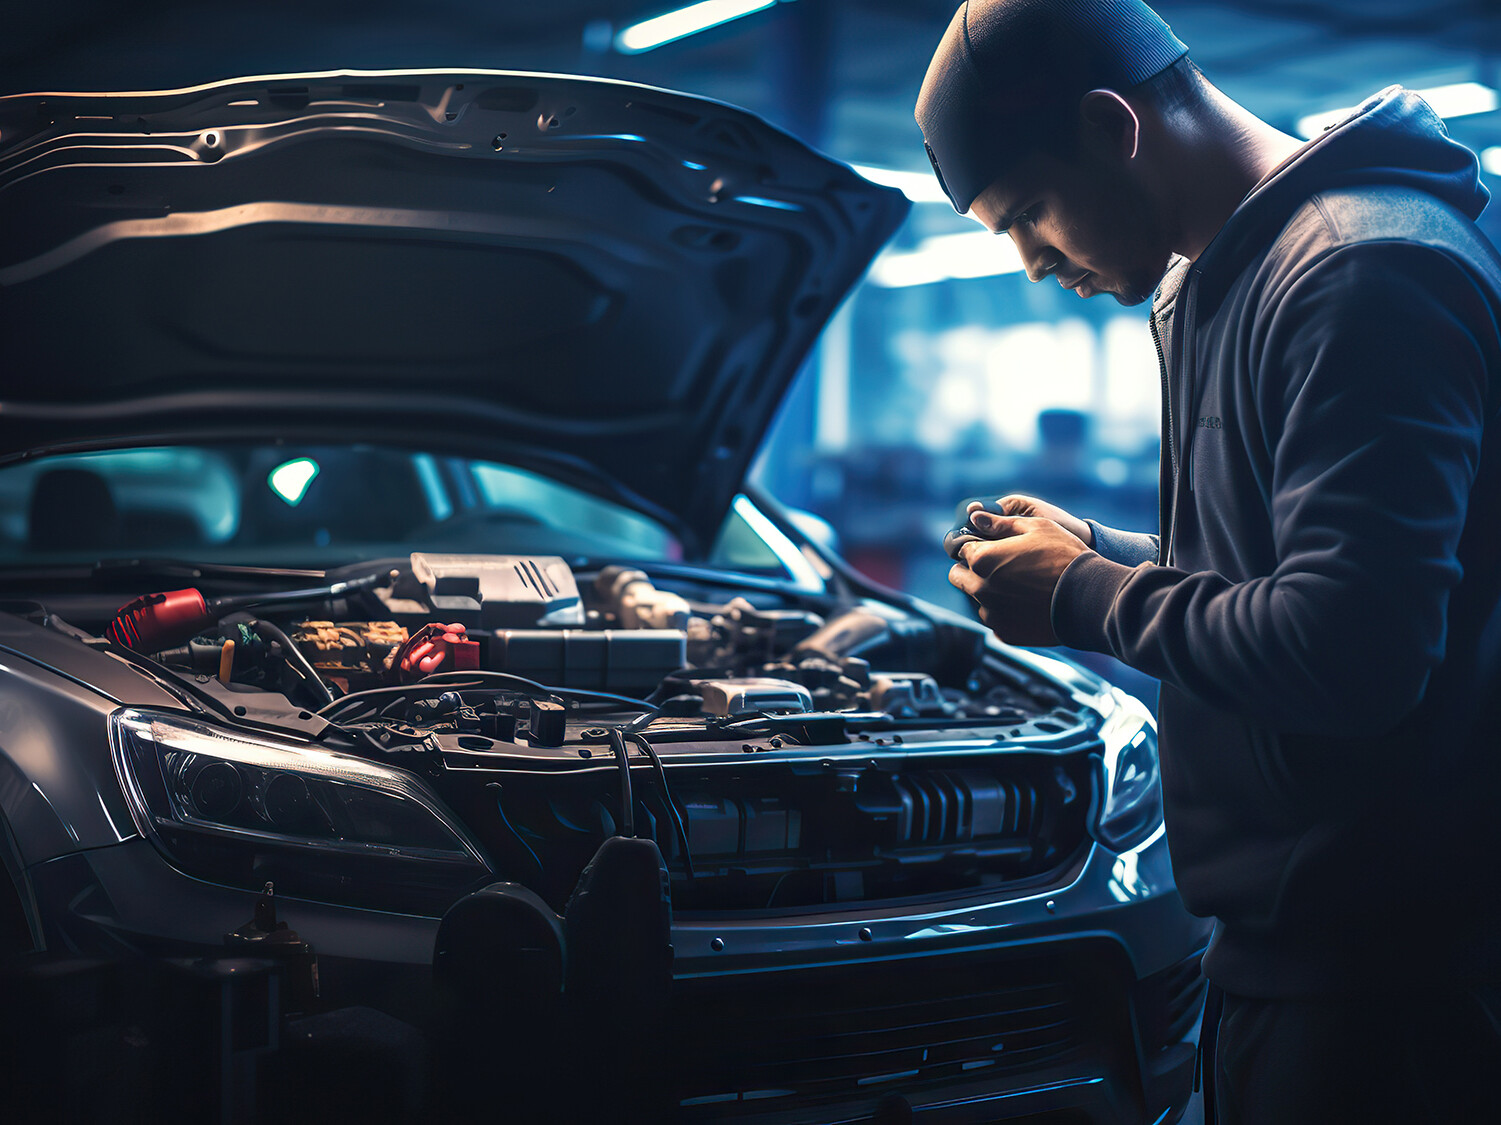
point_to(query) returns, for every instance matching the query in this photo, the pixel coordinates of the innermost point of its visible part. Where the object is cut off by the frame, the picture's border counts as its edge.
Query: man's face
(1082, 219)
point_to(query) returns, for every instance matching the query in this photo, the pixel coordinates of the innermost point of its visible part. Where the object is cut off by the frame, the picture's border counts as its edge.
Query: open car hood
(618, 280)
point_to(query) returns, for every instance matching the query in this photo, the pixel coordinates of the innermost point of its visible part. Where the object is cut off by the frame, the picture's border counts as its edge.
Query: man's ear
(1111, 121)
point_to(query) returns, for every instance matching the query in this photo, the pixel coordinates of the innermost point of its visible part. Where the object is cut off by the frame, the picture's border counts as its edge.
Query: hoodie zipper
(1170, 434)
(1188, 364)
(1167, 514)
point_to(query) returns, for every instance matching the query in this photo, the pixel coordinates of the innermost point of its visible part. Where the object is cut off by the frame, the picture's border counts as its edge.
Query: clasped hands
(1012, 565)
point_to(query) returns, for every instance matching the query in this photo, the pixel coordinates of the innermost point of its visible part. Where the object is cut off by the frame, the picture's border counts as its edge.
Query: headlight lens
(1132, 808)
(244, 809)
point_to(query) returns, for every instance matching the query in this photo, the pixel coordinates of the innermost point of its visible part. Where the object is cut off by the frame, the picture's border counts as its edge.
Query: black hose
(500, 808)
(672, 806)
(293, 654)
(627, 801)
(583, 695)
(477, 678)
(232, 602)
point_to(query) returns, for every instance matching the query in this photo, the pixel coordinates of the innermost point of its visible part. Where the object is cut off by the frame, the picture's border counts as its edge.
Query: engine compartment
(783, 754)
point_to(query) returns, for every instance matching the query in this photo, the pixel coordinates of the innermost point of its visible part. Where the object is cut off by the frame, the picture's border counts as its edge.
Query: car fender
(58, 789)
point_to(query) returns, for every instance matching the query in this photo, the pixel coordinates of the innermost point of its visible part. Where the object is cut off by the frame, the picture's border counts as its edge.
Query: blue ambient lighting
(775, 204)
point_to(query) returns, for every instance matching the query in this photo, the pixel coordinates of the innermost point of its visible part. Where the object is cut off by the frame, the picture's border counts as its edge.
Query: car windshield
(318, 505)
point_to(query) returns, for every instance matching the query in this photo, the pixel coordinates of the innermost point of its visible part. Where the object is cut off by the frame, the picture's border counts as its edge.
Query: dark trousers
(1385, 1057)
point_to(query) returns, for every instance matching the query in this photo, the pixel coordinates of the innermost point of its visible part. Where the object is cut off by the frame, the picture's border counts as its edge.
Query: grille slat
(980, 1039)
(848, 1031)
(864, 1063)
(980, 1003)
(985, 1025)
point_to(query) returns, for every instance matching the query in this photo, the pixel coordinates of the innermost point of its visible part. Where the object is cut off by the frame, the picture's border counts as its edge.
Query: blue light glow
(775, 204)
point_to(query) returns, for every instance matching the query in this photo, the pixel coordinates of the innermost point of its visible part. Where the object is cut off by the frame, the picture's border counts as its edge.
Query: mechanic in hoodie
(1321, 605)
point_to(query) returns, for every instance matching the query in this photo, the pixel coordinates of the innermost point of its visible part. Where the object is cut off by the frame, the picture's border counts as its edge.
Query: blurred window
(285, 504)
(504, 488)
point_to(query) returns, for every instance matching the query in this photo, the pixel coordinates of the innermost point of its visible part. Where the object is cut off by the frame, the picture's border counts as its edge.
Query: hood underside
(582, 270)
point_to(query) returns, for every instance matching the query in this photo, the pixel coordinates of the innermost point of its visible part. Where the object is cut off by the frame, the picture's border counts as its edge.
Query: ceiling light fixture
(679, 24)
(1460, 99)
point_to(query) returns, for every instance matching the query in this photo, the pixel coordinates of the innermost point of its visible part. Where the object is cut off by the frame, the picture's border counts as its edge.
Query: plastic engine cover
(500, 591)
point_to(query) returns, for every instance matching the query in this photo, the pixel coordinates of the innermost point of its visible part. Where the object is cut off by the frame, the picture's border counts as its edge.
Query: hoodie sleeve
(1371, 368)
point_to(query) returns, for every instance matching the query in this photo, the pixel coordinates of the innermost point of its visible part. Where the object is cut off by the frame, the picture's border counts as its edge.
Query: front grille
(862, 1031)
(767, 834)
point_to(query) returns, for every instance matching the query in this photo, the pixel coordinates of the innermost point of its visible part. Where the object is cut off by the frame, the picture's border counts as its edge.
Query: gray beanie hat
(1005, 68)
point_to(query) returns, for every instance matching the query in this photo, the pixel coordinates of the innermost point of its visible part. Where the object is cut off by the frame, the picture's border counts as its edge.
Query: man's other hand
(1016, 504)
(1011, 574)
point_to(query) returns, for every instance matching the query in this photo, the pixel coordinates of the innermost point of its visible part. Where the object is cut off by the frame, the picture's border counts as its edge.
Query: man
(1323, 604)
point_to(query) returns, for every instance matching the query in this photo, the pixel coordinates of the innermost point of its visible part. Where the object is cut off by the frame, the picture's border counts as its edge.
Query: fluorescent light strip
(683, 22)
(1490, 160)
(920, 187)
(947, 257)
(1458, 100)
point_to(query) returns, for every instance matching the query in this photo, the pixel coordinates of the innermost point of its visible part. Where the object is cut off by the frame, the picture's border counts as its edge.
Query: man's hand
(1012, 573)
(1018, 505)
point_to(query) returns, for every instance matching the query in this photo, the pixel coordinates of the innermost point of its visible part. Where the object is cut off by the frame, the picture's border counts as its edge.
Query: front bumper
(1074, 997)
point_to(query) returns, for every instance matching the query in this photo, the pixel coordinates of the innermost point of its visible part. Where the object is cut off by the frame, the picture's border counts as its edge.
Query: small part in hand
(965, 532)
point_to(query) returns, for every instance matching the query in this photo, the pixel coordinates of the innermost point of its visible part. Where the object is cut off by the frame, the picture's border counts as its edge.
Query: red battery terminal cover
(431, 646)
(154, 622)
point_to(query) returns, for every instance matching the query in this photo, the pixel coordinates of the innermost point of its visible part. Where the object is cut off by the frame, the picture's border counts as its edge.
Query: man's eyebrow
(1005, 221)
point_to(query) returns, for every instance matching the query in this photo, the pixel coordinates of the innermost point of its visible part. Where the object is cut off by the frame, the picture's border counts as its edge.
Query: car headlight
(245, 809)
(1132, 808)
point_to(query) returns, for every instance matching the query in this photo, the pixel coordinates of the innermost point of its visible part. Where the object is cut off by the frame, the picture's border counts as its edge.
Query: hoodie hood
(1394, 139)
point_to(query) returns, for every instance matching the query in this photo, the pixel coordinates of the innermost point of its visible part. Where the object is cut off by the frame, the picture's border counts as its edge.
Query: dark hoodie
(1324, 605)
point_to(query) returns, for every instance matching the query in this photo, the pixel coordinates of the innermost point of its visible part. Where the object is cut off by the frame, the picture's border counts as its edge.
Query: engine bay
(782, 752)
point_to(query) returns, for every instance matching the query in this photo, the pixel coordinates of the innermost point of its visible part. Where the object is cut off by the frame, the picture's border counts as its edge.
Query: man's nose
(1038, 267)
(1040, 259)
